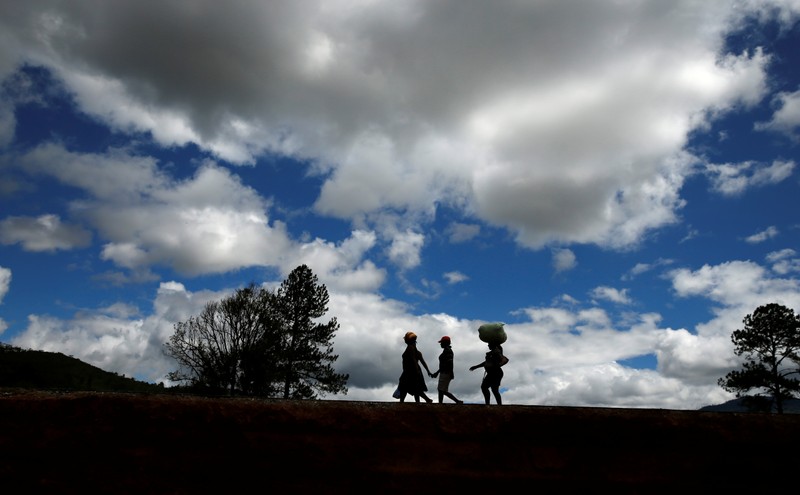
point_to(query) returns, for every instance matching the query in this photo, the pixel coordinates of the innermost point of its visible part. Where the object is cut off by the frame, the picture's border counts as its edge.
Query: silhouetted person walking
(411, 380)
(445, 371)
(494, 373)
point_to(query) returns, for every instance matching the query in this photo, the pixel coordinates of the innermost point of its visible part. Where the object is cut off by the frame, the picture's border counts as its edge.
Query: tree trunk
(288, 380)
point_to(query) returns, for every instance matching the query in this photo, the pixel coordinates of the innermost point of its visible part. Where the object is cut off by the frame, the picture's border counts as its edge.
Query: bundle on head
(492, 333)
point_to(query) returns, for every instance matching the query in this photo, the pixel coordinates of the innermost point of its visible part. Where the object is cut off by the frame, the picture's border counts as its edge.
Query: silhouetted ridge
(21, 368)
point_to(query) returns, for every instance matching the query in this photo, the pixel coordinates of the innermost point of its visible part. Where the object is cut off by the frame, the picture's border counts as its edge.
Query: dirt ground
(127, 443)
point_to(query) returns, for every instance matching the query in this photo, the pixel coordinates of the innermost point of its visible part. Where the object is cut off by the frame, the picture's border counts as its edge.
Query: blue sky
(616, 181)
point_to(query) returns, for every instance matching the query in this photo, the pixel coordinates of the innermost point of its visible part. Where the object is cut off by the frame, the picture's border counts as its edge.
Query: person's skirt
(413, 384)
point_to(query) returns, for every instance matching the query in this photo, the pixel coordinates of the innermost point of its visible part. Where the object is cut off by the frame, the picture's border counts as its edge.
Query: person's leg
(496, 392)
(485, 390)
(402, 397)
(425, 396)
(496, 388)
(444, 387)
(451, 396)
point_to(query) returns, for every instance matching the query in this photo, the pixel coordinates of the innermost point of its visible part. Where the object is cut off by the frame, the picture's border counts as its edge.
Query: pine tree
(307, 344)
(770, 343)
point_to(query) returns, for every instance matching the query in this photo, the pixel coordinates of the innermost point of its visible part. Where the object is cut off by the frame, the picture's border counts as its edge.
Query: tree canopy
(307, 357)
(769, 343)
(213, 348)
(264, 343)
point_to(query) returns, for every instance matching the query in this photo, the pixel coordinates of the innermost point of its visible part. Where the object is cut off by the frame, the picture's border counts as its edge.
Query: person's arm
(473, 368)
(424, 364)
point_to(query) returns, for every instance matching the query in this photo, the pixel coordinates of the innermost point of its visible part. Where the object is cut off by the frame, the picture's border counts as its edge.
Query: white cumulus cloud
(560, 124)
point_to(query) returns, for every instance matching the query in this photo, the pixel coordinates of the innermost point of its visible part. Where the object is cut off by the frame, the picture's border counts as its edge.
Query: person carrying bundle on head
(494, 335)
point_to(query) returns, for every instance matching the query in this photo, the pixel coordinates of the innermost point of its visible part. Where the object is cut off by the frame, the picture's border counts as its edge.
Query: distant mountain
(20, 368)
(754, 404)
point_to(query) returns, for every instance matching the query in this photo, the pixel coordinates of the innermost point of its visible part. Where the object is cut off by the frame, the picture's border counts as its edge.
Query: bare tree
(216, 349)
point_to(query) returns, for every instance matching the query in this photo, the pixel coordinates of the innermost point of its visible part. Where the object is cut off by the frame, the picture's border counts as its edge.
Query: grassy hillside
(92, 442)
(54, 371)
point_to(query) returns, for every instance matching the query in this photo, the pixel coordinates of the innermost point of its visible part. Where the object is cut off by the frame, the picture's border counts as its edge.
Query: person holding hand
(445, 371)
(412, 380)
